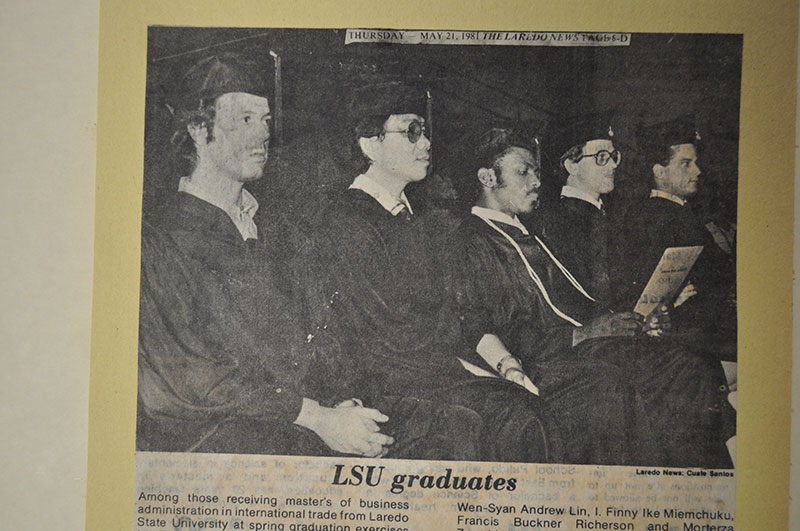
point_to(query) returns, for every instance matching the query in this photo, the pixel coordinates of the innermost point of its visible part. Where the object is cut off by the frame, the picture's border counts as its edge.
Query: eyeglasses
(602, 157)
(415, 130)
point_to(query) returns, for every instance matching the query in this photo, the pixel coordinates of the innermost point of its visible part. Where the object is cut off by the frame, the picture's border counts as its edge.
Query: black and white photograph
(496, 246)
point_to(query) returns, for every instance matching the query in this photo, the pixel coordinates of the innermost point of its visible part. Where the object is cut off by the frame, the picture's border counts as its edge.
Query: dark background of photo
(533, 88)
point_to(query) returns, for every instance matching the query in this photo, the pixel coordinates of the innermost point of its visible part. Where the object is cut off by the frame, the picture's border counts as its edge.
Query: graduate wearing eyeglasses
(375, 293)
(623, 394)
(575, 226)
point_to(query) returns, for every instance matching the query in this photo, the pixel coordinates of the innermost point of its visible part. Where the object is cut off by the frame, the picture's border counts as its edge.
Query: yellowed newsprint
(308, 226)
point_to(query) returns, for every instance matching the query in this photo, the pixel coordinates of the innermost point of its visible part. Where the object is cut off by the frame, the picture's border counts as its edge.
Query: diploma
(667, 278)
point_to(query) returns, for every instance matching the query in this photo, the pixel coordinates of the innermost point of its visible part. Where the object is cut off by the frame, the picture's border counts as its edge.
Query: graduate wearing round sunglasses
(375, 295)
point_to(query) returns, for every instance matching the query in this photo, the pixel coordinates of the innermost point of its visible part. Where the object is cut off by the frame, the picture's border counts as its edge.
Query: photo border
(764, 209)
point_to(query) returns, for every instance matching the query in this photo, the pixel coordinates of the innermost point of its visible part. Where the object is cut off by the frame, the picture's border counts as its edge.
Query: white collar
(381, 195)
(666, 195)
(577, 193)
(241, 212)
(496, 215)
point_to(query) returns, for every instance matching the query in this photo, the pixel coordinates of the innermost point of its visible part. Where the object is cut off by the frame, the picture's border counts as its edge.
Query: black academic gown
(652, 226)
(374, 292)
(578, 233)
(623, 400)
(222, 363)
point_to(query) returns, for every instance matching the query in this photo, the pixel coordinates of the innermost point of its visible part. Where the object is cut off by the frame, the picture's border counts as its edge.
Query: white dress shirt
(381, 195)
(577, 193)
(496, 215)
(667, 195)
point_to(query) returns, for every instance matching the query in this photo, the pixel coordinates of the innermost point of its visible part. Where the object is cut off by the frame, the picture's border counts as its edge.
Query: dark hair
(367, 127)
(658, 155)
(571, 154)
(371, 106)
(491, 147)
(661, 154)
(658, 140)
(181, 140)
(197, 91)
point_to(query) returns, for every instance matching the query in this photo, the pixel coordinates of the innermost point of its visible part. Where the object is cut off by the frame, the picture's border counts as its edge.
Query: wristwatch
(504, 360)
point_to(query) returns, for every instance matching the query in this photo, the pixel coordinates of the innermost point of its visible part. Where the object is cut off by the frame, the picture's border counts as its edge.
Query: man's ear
(199, 133)
(368, 146)
(487, 177)
(658, 172)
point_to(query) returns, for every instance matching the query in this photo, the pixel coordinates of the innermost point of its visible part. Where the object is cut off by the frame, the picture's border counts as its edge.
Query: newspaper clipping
(434, 279)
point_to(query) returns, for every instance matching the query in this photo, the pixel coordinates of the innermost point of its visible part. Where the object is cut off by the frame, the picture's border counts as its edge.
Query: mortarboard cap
(384, 99)
(674, 132)
(220, 74)
(582, 129)
(498, 139)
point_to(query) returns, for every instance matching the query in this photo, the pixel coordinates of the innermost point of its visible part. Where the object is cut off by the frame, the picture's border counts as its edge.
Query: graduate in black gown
(666, 218)
(223, 366)
(376, 293)
(575, 225)
(624, 397)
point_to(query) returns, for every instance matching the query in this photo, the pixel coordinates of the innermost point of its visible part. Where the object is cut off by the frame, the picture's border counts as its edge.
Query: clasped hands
(627, 324)
(656, 324)
(348, 427)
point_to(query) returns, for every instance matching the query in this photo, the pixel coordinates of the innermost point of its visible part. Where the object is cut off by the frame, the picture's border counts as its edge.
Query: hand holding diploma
(625, 324)
(658, 322)
(668, 276)
(686, 293)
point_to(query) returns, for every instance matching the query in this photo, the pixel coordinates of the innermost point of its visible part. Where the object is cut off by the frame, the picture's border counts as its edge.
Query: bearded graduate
(622, 396)
(375, 291)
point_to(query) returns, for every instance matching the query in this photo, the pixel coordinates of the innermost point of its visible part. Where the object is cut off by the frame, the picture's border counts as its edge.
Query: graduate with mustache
(623, 397)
